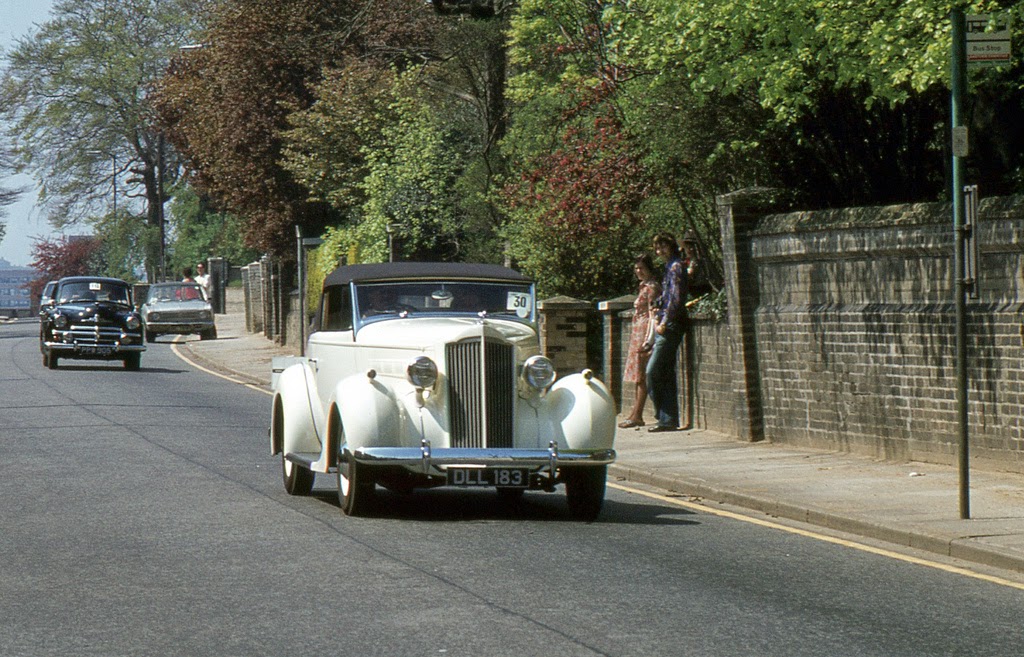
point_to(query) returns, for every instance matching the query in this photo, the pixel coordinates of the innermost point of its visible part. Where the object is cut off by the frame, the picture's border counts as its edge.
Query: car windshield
(506, 300)
(176, 292)
(87, 291)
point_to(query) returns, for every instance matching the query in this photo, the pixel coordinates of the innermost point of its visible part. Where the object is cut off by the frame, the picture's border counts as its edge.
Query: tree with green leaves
(8, 196)
(840, 103)
(227, 105)
(852, 98)
(76, 94)
(199, 232)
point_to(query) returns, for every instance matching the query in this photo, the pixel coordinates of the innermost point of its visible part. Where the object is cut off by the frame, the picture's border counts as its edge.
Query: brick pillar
(563, 333)
(615, 343)
(738, 213)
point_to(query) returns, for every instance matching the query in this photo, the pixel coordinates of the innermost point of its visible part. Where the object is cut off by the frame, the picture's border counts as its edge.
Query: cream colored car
(430, 374)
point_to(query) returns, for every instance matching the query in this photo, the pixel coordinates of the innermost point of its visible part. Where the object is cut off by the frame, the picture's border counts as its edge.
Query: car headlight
(422, 372)
(132, 322)
(153, 317)
(539, 372)
(206, 314)
(60, 321)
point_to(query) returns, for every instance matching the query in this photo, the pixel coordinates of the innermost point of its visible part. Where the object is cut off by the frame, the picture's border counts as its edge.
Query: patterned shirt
(672, 307)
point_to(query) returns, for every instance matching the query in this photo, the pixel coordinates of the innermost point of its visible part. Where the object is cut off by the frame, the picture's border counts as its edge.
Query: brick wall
(850, 321)
(712, 377)
(563, 332)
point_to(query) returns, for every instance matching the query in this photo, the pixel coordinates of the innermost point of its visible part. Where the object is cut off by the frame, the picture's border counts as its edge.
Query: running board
(305, 459)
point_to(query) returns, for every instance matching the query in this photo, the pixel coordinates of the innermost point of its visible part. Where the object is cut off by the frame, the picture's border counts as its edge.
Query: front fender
(297, 423)
(583, 411)
(370, 413)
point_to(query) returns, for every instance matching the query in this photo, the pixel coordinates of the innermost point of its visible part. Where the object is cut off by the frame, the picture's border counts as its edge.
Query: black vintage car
(91, 318)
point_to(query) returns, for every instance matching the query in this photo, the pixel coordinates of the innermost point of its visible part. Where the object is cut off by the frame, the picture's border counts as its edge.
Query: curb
(218, 366)
(958, 548)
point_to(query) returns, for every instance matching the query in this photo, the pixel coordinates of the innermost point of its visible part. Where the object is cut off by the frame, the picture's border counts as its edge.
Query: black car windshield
(89, 291)
(166, 292)
(505, 300)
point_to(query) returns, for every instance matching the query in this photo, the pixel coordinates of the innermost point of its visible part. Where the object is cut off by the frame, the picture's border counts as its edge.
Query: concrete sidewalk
(910, 504)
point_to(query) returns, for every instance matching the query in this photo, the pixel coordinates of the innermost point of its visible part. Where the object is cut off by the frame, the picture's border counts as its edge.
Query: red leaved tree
(62, 256)
(574, 216)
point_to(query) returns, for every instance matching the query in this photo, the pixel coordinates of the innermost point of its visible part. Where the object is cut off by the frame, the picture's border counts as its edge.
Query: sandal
(629, 424)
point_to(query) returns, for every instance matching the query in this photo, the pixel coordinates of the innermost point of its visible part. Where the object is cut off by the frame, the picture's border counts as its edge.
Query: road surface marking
(821, 537)
(177, 352)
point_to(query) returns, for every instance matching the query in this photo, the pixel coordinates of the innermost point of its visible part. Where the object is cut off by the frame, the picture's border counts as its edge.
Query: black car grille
(178, 316)
(94, 335)
(465, 392)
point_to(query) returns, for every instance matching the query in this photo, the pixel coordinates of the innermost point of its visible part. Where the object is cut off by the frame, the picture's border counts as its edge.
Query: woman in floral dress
(640, 338)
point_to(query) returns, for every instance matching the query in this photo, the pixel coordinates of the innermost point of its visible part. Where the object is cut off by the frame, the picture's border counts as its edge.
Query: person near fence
(669, 326)
(641, 338)
(204, 280)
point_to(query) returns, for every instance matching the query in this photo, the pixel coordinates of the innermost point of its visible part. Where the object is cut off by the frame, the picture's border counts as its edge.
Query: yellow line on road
(821, 537)
(177, 352)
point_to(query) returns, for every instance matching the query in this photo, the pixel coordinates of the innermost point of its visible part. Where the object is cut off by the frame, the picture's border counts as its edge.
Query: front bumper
(93, 350)
(180, 328)
(433, 462)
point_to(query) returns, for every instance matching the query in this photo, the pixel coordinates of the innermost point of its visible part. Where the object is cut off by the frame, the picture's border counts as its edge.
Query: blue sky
(24, 221)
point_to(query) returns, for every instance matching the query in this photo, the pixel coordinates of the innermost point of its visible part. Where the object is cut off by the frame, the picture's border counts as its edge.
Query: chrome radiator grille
(94, 335)
(465, 393)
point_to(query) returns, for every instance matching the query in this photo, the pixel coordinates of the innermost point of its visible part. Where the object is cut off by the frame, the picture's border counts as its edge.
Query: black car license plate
(502, 477)
(95, 351)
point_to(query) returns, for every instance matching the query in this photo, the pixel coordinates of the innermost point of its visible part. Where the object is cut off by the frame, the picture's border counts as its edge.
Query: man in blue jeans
(670, 322)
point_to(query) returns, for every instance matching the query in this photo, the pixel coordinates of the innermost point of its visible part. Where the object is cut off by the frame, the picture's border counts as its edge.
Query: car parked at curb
(91, 318)
(178, 308)
(419, 375)
(46, 297)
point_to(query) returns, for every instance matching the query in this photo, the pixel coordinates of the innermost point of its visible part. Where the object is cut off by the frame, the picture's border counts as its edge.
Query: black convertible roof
(390, 271)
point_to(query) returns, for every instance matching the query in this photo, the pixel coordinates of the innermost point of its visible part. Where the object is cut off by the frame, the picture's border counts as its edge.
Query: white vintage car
(430, 374)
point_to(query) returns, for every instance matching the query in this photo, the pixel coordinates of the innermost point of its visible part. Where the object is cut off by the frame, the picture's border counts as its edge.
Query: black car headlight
(132, 322)
(539, 372)
(422, 372)
(153, 317)
(60, 321)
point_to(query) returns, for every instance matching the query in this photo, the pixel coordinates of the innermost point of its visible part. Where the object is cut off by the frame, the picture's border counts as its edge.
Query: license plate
(96, 351)
(503, 477)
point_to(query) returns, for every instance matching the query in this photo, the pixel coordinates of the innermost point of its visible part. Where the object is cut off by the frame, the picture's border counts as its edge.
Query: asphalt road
(141, 514)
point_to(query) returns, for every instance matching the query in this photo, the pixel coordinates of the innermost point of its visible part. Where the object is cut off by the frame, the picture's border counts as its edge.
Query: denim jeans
(661, 375)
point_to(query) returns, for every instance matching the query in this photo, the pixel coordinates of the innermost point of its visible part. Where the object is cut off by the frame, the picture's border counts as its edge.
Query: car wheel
(584, 491)
(51, 362)
(150, 336)
(208, 334)
(297, 479)
(355, 487)
(132, 362)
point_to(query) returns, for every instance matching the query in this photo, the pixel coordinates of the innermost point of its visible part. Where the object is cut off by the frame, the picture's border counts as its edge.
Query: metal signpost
(958, 83)
(979, 40)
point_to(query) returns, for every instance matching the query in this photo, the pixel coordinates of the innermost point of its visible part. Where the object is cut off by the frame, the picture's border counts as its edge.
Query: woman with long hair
(641, 338)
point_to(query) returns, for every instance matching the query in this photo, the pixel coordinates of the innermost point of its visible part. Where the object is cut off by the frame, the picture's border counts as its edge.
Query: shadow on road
(448, 505)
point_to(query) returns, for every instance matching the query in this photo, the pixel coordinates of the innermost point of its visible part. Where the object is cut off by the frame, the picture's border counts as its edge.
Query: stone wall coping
(616, 304)
(563, 303)
(907, 214)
